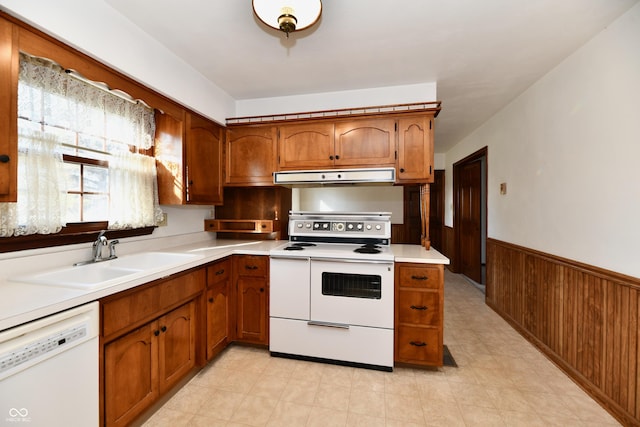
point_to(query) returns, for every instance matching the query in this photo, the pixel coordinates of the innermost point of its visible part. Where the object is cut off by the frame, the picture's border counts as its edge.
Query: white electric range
(332, 291)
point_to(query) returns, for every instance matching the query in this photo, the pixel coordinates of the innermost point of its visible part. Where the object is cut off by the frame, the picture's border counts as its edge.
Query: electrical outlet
(503, 188)
(163, 223)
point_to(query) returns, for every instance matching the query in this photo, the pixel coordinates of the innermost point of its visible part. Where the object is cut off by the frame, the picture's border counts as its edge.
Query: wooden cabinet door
(415, 149)
(177, 345)
(217, 317)
(169, 153)
(252, 316)
(8, 112)
(131, 375)
(204, 140)
(306, 146)
(366, 143)
(251, 155)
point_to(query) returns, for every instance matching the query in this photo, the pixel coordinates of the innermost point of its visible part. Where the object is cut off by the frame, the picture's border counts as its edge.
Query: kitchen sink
(153, 260)
(107, 273)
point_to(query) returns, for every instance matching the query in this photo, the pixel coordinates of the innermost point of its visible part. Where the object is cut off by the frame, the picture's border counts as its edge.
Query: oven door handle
(328, 324)
(292, 258)
(357, 261)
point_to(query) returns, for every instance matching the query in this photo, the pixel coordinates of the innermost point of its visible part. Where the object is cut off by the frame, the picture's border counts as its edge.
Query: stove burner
(367, 250)
(303, 244)
(294, 248)
(371, 246)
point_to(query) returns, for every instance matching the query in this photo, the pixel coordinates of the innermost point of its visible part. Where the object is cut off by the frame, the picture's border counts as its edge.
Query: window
(79, 156)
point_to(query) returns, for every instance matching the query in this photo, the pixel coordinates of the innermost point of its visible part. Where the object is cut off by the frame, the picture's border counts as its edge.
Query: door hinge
(430, 170)
(396, 154)
(429, 124)
(395, 126)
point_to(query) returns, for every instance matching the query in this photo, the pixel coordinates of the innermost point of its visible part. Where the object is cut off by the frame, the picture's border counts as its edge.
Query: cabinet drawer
(416, 344)
(128, 310)
(218, 272)
(417, 276)
(419, 307)
(181, 288)
(252, 265)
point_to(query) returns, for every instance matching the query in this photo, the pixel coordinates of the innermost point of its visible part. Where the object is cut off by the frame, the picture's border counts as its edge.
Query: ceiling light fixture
(288, 15)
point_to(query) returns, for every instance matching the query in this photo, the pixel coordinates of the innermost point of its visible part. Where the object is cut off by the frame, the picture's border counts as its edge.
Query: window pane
(96, 179)
(72, 171)
(73, 208)
(95, 207)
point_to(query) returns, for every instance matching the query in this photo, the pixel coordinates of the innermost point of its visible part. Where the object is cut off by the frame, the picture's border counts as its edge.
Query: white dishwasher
(49, 370)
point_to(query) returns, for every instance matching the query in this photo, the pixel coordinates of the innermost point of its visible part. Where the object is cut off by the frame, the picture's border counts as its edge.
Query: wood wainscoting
(582, 317)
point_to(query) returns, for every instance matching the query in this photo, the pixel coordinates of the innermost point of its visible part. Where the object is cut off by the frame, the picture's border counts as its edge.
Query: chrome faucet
(97, 248)
(100, 243)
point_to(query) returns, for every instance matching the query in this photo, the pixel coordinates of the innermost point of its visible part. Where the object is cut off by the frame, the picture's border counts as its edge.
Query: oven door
(351, 292)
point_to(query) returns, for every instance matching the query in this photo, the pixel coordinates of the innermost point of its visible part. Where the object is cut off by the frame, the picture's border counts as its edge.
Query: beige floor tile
(367, 403)
(436, 388)
(324, 417)
(166, 417)
(221, 405)
(472, 395)
(300, 391)
(510, 399)
(200, 421)
(442, 413)
(189, 399)
(289, 414)
(401, 385)
(333, 397)
(341, 376)
(308, 371)
(477, 416)
(522, 419)
(359, 420)
(403, 408)
(254, 411)
(269, 386)
(547, 403)
(239, 381)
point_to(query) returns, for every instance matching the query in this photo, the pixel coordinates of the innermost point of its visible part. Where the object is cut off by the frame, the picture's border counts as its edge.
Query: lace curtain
(41, 188)
(59, 113)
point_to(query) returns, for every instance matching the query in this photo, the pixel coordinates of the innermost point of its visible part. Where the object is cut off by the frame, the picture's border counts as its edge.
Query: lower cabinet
(149, 344)
(218, 306)
(251, 278)
(419, 313)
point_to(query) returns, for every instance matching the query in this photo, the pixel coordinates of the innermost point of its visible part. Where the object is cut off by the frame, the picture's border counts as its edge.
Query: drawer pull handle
(419, 278)
(418, 343)
(219, 272)
(419, 307)
(251, 267)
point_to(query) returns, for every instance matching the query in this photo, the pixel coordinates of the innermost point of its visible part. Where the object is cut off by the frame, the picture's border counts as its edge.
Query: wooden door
(177, 345)
(367, 143)
(217, 317)
(252, 309)
(469, 197)
(415, 149)
(251, 155)
(306, 146)
(204, 141)
(436, 210)
(8, 112)
(131, 375)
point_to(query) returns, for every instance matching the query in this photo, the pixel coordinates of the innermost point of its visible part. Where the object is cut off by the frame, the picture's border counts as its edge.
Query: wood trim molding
(584, 318)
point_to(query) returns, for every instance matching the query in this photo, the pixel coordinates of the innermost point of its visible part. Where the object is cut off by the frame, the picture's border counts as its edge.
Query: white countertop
(24, 302)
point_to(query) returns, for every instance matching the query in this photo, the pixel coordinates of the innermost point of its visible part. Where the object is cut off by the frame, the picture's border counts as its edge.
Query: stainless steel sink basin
(107, 273)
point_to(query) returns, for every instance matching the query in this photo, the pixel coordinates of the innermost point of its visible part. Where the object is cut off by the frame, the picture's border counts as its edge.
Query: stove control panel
(369, 228)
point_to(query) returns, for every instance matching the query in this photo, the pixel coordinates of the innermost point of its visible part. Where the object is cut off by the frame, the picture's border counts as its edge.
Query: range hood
(315, 178)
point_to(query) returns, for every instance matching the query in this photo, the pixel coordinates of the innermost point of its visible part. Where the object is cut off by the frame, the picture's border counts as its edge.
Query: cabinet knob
(210, 299)
(156, 332)
(337, 157)
(261, 289)
(163, 329)
(190, 182)
(330, 157)
(401, 170)
(4, 158)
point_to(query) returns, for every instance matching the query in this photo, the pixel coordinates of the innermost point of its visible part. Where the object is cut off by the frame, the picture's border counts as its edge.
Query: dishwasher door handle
(328, 324)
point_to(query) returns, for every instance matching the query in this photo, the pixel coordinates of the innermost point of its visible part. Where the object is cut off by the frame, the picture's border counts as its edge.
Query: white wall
(568, 149)
(406, 94)
(101, 32)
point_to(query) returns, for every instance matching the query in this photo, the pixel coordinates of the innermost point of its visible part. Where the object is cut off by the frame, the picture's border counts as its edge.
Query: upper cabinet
(8, 112)
(365, 143)
(188, 151)
(251, 155)
(306, 146)
(415, 149)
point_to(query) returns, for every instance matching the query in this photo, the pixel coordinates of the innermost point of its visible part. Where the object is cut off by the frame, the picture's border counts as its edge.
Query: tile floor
(501, 380)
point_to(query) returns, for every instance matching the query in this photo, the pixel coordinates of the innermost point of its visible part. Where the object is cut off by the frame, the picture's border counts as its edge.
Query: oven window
(352, 285)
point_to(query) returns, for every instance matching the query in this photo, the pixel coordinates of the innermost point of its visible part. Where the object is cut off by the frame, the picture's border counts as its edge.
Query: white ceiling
(481, 53)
